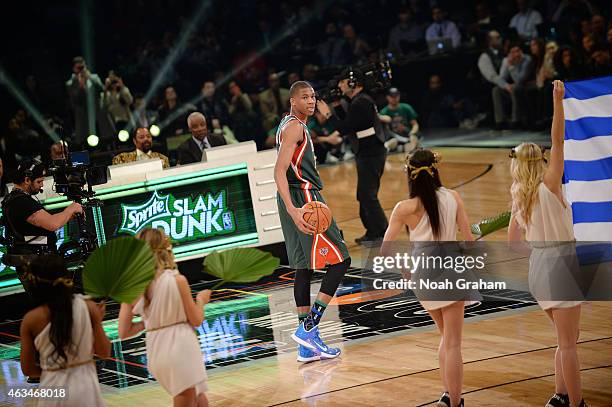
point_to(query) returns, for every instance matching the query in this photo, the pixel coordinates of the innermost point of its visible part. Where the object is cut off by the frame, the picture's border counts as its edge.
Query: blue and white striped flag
(588, 157)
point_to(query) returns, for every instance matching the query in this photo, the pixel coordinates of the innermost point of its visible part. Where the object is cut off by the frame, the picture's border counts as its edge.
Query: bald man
(191, 150)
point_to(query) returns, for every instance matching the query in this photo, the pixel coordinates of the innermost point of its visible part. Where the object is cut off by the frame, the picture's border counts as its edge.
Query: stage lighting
(154, 130)
(123, 136)
(93, 140)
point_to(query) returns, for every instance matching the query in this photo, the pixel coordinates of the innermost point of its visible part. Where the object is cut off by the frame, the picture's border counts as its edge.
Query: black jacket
(189, 152)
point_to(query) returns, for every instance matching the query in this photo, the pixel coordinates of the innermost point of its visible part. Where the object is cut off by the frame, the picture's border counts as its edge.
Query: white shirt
(202, 144)
(526, 23)
(444, 29)
(141, 155)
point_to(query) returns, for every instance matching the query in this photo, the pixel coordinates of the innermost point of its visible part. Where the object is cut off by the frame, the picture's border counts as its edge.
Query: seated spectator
(567, 65)
(484, 22)
(490, 61)
(599, 64)
(333, 50)
(405, 35)
(172, 116)
(358, 49)
(309, 74)
(143, 142)
(191, 149)
(598, 28)
(22, 142)
(441, 109)
(116, 100)
(292, 78)
(526, 20)
(246, 124)
(402, 120)
(588, 47)
(572, 12)
(213, 105)
(273, 102)
(441, 28)
(545, 74)
(489, 65)
(326, 143)
(515, 71)
(142, 116)
(221, 129)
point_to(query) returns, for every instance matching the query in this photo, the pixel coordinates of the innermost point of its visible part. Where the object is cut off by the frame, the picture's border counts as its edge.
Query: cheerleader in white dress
(433, 214)
(174, 357)
(540, 212)
(66, 330)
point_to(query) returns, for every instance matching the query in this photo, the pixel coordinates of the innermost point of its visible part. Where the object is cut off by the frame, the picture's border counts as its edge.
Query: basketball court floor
(388, 341)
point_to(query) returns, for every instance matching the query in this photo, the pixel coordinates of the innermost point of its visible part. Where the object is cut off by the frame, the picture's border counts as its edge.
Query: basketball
(320, 217)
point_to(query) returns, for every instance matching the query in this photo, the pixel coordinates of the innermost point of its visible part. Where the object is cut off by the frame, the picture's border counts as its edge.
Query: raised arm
(554, 173)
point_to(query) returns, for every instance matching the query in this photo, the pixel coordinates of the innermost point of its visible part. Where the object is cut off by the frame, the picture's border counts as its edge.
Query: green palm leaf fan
(240, 265)
(490, 225)
(120, 270)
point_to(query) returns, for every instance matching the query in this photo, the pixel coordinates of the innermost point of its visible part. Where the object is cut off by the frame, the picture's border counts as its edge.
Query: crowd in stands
(237, 64)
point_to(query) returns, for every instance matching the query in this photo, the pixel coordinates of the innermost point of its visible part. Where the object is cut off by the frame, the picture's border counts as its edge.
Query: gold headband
(414, 171)
(65, 281)
(528, 159)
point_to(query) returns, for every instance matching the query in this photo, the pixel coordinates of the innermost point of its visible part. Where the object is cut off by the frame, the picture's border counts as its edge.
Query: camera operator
(29, 228)
(367, 138)
(117, 99)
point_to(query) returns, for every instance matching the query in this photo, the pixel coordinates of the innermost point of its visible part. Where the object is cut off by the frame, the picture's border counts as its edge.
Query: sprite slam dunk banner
(200, 216)
(199, 213)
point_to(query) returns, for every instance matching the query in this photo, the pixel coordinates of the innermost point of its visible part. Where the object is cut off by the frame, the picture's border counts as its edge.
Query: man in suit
(143, 142)
(273, 102)
(191, 150)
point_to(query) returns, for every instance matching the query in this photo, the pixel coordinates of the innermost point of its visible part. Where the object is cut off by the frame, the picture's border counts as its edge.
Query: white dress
(447, 207)
(79, 372)
(174, 357)
(553, 258)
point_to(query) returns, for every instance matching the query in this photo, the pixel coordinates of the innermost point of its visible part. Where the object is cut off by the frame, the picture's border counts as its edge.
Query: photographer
(116, 100)
(83, 89)
(367, 138)
(29, 228)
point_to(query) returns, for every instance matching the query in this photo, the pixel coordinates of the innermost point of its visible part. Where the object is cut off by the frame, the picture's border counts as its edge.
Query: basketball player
(434, 213)
(298, 182)
(540, 212)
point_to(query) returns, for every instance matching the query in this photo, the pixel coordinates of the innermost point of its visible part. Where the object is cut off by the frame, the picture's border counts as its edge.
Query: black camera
(329, 93)
(71, 175)
(69, 178)
(376, 77)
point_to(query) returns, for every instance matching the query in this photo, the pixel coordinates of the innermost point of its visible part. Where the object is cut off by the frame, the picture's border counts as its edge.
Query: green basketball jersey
(302, 172)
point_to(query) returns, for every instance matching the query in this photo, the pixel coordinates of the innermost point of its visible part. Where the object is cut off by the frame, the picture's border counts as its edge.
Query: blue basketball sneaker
(312, 340)
(306, 355)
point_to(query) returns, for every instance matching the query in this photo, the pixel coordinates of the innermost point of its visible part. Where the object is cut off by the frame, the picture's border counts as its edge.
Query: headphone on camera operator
(362, 124)
(29, 228)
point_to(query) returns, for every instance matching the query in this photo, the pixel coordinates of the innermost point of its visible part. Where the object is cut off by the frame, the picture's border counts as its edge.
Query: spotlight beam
(288, 30)
(173, 57)
(14, 90)
(88, 54)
